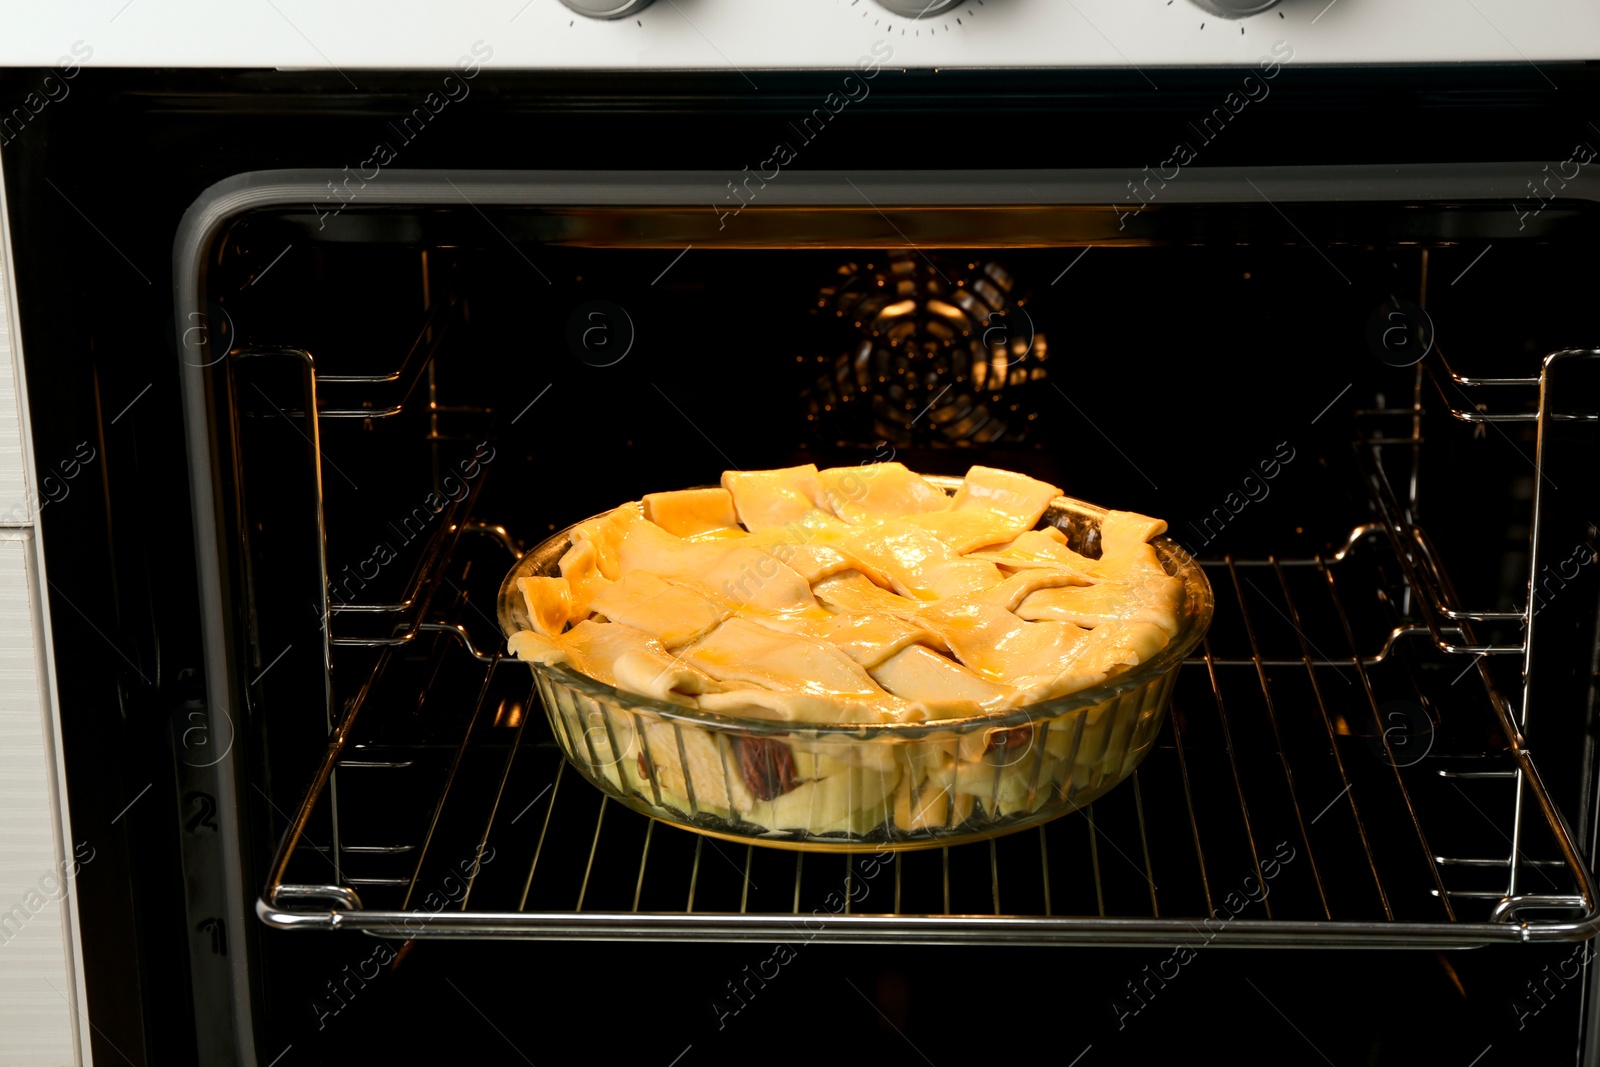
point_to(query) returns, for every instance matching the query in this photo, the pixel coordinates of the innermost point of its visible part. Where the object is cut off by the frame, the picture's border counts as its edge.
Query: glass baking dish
(845, 788)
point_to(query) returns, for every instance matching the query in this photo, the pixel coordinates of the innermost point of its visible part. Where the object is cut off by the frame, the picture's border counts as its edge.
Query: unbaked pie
(855, 596)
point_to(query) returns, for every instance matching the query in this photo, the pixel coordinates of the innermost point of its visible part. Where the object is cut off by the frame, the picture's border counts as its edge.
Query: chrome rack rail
(1453, 389)
(1357, 537)
(1282, 744)
(1424, 574)
(404, 615)
(394, 388)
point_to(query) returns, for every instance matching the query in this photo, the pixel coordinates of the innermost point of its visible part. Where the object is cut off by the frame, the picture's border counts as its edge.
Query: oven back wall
(98, 180)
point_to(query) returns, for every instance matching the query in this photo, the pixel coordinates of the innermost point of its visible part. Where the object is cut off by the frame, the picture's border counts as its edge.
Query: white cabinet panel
(756, 35)
(38, 989)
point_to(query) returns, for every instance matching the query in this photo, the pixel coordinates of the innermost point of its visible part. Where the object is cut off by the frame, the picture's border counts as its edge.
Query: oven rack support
(1559, 621)
(1453, 388)
(1442, 613)
(1443, 621)
(1556, 647)
(394, 388)
(403, 615)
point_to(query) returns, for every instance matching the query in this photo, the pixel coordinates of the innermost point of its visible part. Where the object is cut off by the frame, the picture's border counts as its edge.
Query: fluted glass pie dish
(865, 786)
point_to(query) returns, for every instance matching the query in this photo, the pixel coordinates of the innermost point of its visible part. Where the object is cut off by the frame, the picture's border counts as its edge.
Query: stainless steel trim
(928, 929)
(888, 189)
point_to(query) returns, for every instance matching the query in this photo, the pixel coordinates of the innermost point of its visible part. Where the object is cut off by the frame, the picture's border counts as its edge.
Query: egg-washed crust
(884, 561)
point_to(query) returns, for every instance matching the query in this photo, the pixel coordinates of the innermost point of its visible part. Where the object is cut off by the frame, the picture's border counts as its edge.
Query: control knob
(607, 9)
(1235, 9)
(919, 9)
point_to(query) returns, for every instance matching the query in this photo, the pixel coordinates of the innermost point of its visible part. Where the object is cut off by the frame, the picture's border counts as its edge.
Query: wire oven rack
(1323, 779)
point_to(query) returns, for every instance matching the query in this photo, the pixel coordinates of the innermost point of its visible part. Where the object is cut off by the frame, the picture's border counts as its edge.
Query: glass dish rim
(1198, 607)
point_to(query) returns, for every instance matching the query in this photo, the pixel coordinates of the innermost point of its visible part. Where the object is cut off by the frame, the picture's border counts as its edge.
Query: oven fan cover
(935, 352)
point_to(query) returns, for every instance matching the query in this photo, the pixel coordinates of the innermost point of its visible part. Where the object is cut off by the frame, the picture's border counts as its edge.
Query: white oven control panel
(749, 36)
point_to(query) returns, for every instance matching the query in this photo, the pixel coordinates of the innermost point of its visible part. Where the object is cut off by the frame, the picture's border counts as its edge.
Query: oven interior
(1210, 365)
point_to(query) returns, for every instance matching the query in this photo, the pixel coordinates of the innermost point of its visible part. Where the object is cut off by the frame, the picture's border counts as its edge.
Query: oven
(311, 356)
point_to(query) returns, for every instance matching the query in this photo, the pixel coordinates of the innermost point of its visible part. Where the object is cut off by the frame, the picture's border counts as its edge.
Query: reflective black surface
(1254, 341)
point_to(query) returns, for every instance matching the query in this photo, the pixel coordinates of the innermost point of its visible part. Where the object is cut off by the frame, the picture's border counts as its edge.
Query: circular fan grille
(936, 352)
